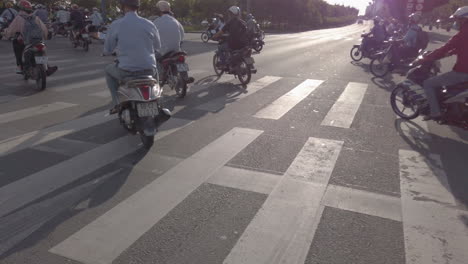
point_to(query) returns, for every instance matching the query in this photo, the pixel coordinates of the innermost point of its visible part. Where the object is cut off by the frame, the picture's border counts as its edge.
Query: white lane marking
(434, 229)
(33, 111)
(283, 229)
(68, 87)
(285, 103)
(75, 74)
(345, 108)
(246, 180)
(34, 186)
(375, 204)
(8, 98)
(340, 197)
(41, 136)
(103, 94)
(219, 103)
(108, 236)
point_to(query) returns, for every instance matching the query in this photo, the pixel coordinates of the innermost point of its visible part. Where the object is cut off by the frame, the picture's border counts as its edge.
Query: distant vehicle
(360, 22)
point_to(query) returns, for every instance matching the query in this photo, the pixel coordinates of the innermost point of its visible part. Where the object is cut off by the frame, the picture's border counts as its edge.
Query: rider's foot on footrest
(114, 110)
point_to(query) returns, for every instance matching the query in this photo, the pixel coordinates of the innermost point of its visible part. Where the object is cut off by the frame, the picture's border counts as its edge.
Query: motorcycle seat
(138, 79)
(173, 54)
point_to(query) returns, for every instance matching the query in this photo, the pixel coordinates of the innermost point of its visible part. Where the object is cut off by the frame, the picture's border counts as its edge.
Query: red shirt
(458, 45)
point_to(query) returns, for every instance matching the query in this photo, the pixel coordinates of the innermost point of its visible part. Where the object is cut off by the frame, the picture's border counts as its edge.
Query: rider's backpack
(422, 40)
(32, 32)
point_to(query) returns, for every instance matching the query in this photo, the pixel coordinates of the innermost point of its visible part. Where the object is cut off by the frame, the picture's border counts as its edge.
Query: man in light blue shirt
(136, 40)
(170, 30)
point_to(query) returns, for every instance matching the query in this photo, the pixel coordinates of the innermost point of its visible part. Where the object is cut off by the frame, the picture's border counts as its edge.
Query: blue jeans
(447, 79)
(114, 75)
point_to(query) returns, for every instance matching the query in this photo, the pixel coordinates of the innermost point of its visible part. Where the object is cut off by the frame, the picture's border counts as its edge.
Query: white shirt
(63, 16)
(171, 33)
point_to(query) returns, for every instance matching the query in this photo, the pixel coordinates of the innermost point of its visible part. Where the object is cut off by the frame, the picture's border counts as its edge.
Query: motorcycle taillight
(145, 91)
(40, 47)
(181, 58)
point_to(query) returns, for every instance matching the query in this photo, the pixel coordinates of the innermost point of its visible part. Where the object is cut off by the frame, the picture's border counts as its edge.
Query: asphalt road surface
(308, 164)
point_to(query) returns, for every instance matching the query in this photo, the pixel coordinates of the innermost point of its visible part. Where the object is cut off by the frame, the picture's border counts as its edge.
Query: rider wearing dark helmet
(376, 36)
(137, 41)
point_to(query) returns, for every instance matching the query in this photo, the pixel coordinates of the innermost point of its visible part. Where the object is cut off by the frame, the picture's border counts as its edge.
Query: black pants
(18, 49)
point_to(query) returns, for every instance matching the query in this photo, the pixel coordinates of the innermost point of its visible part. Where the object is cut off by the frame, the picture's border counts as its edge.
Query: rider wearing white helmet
(237, 30)
(456, 45)
(170, 30)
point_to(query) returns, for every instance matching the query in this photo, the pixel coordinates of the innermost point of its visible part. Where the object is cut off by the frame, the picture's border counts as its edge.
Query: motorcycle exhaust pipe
(150, 126)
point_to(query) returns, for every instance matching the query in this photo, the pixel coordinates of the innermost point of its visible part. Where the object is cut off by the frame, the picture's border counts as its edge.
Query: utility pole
(103, 10)
(249, 6)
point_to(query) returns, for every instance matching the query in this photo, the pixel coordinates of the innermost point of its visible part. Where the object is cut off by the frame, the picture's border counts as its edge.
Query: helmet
(377, 19)
(131, 3)
(95, 9)
(74, 6)
(164, 6)
(235, 10)
(461, 13)
(414, 17)
(25, 6)
(86, 10)
(249, 16)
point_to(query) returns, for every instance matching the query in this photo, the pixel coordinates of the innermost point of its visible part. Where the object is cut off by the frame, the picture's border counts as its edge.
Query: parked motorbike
(239, 63)
(175, 72)
(382, 64)
(140, 111)
(410, 95)
(35, 64)
(358, 52)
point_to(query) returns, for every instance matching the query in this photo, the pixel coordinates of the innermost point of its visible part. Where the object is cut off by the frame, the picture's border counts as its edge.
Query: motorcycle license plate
(85, 36)
(41, 60)
(249, 60)
(182, 67)
(147, 109)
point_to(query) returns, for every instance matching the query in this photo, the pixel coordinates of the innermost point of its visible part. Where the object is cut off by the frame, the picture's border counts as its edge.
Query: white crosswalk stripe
(33, 111)
(286, 102)
(343, 111)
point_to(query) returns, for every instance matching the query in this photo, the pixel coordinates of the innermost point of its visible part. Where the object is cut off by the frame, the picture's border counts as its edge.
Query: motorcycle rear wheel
(379, 69)
(356, 54)
(181, 85)
(147, 141)
(258, 46)
(41, 80)
(85, 45)
(245, 74)
(405, 102)
(217, 70)
(204, 37)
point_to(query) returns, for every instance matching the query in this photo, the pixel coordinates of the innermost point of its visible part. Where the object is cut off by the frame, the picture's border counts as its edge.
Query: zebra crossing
(281, 230)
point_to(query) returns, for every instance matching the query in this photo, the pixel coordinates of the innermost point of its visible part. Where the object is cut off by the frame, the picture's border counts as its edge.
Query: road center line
(107, 237)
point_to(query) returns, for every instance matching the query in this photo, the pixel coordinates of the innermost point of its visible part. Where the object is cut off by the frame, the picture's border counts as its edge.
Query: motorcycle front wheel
(399, 100)
(356, 54)
(258, 46)
(244, 73)
(204, 37)
(378, 68)
(217, 70)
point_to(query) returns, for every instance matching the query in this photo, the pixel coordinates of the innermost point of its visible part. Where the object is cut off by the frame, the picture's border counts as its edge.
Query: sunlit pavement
(308, 164)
